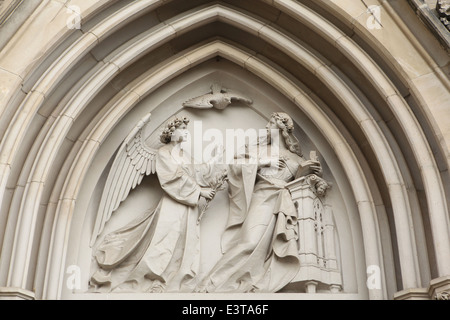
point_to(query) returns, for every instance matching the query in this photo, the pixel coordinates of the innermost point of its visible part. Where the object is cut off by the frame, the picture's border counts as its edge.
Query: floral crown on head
(166, 135)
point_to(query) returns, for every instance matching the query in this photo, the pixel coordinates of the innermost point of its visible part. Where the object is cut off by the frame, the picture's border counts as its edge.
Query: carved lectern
(317, 236)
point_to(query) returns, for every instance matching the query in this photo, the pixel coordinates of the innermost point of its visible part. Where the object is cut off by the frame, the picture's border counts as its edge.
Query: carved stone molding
(13, 14)
(412, 294)
(7, 293)
(440, 288)
(443, 9)
(431, 18)
(7, 8)
(442, 296)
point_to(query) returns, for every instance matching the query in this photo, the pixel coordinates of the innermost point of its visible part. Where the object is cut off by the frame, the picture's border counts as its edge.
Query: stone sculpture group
(160, 250)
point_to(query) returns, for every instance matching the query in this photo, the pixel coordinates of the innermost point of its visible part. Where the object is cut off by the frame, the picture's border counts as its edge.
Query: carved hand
(268, 162)
(310, 167)
(207, 193)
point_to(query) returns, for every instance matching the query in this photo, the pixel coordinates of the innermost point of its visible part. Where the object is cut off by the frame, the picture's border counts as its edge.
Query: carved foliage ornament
(166, 135)
(442, 296)
(443, 9)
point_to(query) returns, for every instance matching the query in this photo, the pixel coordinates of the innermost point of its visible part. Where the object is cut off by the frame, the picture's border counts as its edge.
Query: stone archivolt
(373, 100)
(7, 8)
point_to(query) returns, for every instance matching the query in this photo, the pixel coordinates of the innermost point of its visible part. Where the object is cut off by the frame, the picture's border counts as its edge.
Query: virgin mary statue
(260, 242)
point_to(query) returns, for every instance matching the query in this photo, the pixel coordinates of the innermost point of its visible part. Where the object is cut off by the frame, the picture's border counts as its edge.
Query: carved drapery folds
(140, 258)
(443, 9)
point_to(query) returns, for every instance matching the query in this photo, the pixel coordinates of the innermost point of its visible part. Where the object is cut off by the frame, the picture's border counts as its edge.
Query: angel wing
(133, 162)
(202, 102)
(218, 98)
(237, 97)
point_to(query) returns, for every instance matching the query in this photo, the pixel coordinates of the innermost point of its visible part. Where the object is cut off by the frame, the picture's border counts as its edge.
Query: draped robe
(260, 242)
(159, 251)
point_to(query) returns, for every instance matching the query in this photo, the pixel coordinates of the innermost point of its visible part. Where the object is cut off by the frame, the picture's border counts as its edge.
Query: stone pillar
(311, 286)
(329, 232)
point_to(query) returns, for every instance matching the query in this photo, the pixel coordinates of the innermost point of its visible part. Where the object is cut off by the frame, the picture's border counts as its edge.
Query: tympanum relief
(279, 231)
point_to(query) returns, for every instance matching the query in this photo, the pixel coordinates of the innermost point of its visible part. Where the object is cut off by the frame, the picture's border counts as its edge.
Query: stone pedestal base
(440, 288)
(16, 294)
(412, 294)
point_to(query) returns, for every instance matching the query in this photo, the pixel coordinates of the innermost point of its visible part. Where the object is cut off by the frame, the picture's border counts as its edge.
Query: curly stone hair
(286, 126)
(166, 135)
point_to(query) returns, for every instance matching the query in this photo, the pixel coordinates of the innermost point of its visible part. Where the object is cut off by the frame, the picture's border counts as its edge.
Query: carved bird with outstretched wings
(218, 98)
(133, 162)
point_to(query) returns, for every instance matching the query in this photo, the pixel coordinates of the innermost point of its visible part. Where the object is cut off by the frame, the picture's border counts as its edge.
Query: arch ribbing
(131, 52)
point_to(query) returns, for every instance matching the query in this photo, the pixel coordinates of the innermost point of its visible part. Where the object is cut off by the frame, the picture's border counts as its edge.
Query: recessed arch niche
(266, 100)
(76, 93)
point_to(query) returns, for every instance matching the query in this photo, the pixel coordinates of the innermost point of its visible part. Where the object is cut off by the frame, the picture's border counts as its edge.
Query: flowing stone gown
(260, 243)
(160, 251)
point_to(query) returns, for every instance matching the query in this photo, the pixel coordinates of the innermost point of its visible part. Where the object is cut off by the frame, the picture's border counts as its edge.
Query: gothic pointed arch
(366, 91)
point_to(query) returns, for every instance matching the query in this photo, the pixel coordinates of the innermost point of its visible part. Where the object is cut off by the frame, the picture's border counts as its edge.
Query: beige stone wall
(373, 87)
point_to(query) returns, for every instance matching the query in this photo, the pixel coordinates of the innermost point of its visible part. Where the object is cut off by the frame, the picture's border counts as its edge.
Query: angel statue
(160, 250)
(260, 241)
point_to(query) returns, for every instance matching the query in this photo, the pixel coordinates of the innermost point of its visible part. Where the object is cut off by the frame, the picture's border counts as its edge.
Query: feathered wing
(133, 162)
(218, 97)
(202, 102)
(237, 97)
